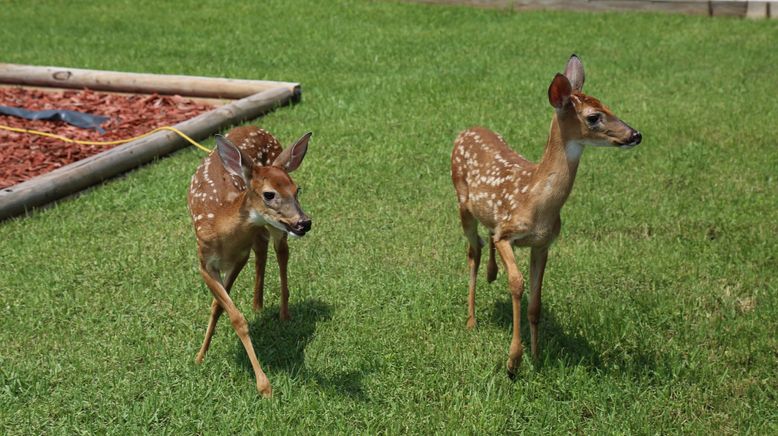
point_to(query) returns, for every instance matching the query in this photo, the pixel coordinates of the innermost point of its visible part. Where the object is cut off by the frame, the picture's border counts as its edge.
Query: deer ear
(233, 159)
(559, 92)
(574, 72)
(292, 157)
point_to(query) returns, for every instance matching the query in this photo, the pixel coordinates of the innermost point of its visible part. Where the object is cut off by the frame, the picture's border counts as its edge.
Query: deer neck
(557, 169)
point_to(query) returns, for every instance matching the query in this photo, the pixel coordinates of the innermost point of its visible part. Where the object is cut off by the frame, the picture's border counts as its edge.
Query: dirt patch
(24, 156)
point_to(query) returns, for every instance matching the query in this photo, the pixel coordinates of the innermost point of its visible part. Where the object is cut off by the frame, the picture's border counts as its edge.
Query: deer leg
(239, 324)
(537, 266)
(516, 285)
(470, 227)
(216, 311)
(491, 267)
(260, 261)
(282, 256)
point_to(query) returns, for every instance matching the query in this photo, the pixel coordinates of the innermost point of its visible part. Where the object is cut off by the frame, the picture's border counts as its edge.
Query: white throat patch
(573, 150)
(256, 218)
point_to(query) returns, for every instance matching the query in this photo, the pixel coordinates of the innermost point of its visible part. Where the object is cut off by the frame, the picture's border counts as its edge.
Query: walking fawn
(240, 198)
(519, 201)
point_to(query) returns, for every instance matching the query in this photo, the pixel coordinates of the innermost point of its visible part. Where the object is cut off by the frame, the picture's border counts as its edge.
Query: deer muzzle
(301, 227)
(632, 140)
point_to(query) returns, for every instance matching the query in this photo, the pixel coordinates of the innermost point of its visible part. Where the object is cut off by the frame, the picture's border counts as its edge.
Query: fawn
(241, 196)
(519, 201)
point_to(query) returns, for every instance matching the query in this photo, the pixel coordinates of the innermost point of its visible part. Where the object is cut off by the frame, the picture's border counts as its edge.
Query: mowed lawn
(659, 304)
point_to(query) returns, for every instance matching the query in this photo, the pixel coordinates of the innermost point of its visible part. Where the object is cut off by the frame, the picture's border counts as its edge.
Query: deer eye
(593, 118)
(269, 195)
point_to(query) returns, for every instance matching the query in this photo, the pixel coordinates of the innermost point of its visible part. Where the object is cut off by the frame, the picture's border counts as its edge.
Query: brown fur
(518, 201)
(231, 219)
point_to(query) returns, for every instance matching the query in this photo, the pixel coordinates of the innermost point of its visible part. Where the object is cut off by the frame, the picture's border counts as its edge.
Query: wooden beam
(190, 86)
(203, 100)
(695, 7)
(756, 9)
(72, 178)
(720, 8)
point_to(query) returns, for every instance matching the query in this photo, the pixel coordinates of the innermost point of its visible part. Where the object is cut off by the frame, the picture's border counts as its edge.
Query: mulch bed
(24, 156)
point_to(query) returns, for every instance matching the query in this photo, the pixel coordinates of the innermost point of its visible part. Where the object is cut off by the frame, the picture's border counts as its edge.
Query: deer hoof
(265, 389)
(513, 367)
(471, 323)
(491, 274)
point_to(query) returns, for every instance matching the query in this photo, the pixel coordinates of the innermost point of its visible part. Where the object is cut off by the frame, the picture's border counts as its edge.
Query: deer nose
(304, 224)
(635, 138)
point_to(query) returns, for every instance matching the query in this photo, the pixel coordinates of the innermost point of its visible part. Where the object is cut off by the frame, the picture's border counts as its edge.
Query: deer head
(584, 120)
(271, 195)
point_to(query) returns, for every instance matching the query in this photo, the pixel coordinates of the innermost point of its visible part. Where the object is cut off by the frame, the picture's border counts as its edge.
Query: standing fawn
(519, 201)
(240, 198)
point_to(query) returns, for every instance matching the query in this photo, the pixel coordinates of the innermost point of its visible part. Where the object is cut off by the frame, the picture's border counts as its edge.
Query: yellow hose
(121, 141)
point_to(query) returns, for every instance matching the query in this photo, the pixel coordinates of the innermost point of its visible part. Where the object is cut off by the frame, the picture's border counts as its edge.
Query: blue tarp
(78, 119)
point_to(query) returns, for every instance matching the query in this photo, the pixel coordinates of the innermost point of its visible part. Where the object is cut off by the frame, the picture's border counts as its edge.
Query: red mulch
(24, 156)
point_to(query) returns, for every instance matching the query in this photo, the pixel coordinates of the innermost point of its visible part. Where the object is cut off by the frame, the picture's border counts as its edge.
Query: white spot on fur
(550, 182)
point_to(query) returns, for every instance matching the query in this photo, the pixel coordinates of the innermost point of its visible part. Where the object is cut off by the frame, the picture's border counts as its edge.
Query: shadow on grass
(558, 346)
(280, 346)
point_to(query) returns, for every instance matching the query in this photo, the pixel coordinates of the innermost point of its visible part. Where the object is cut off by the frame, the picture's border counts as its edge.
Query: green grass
(660, 299)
